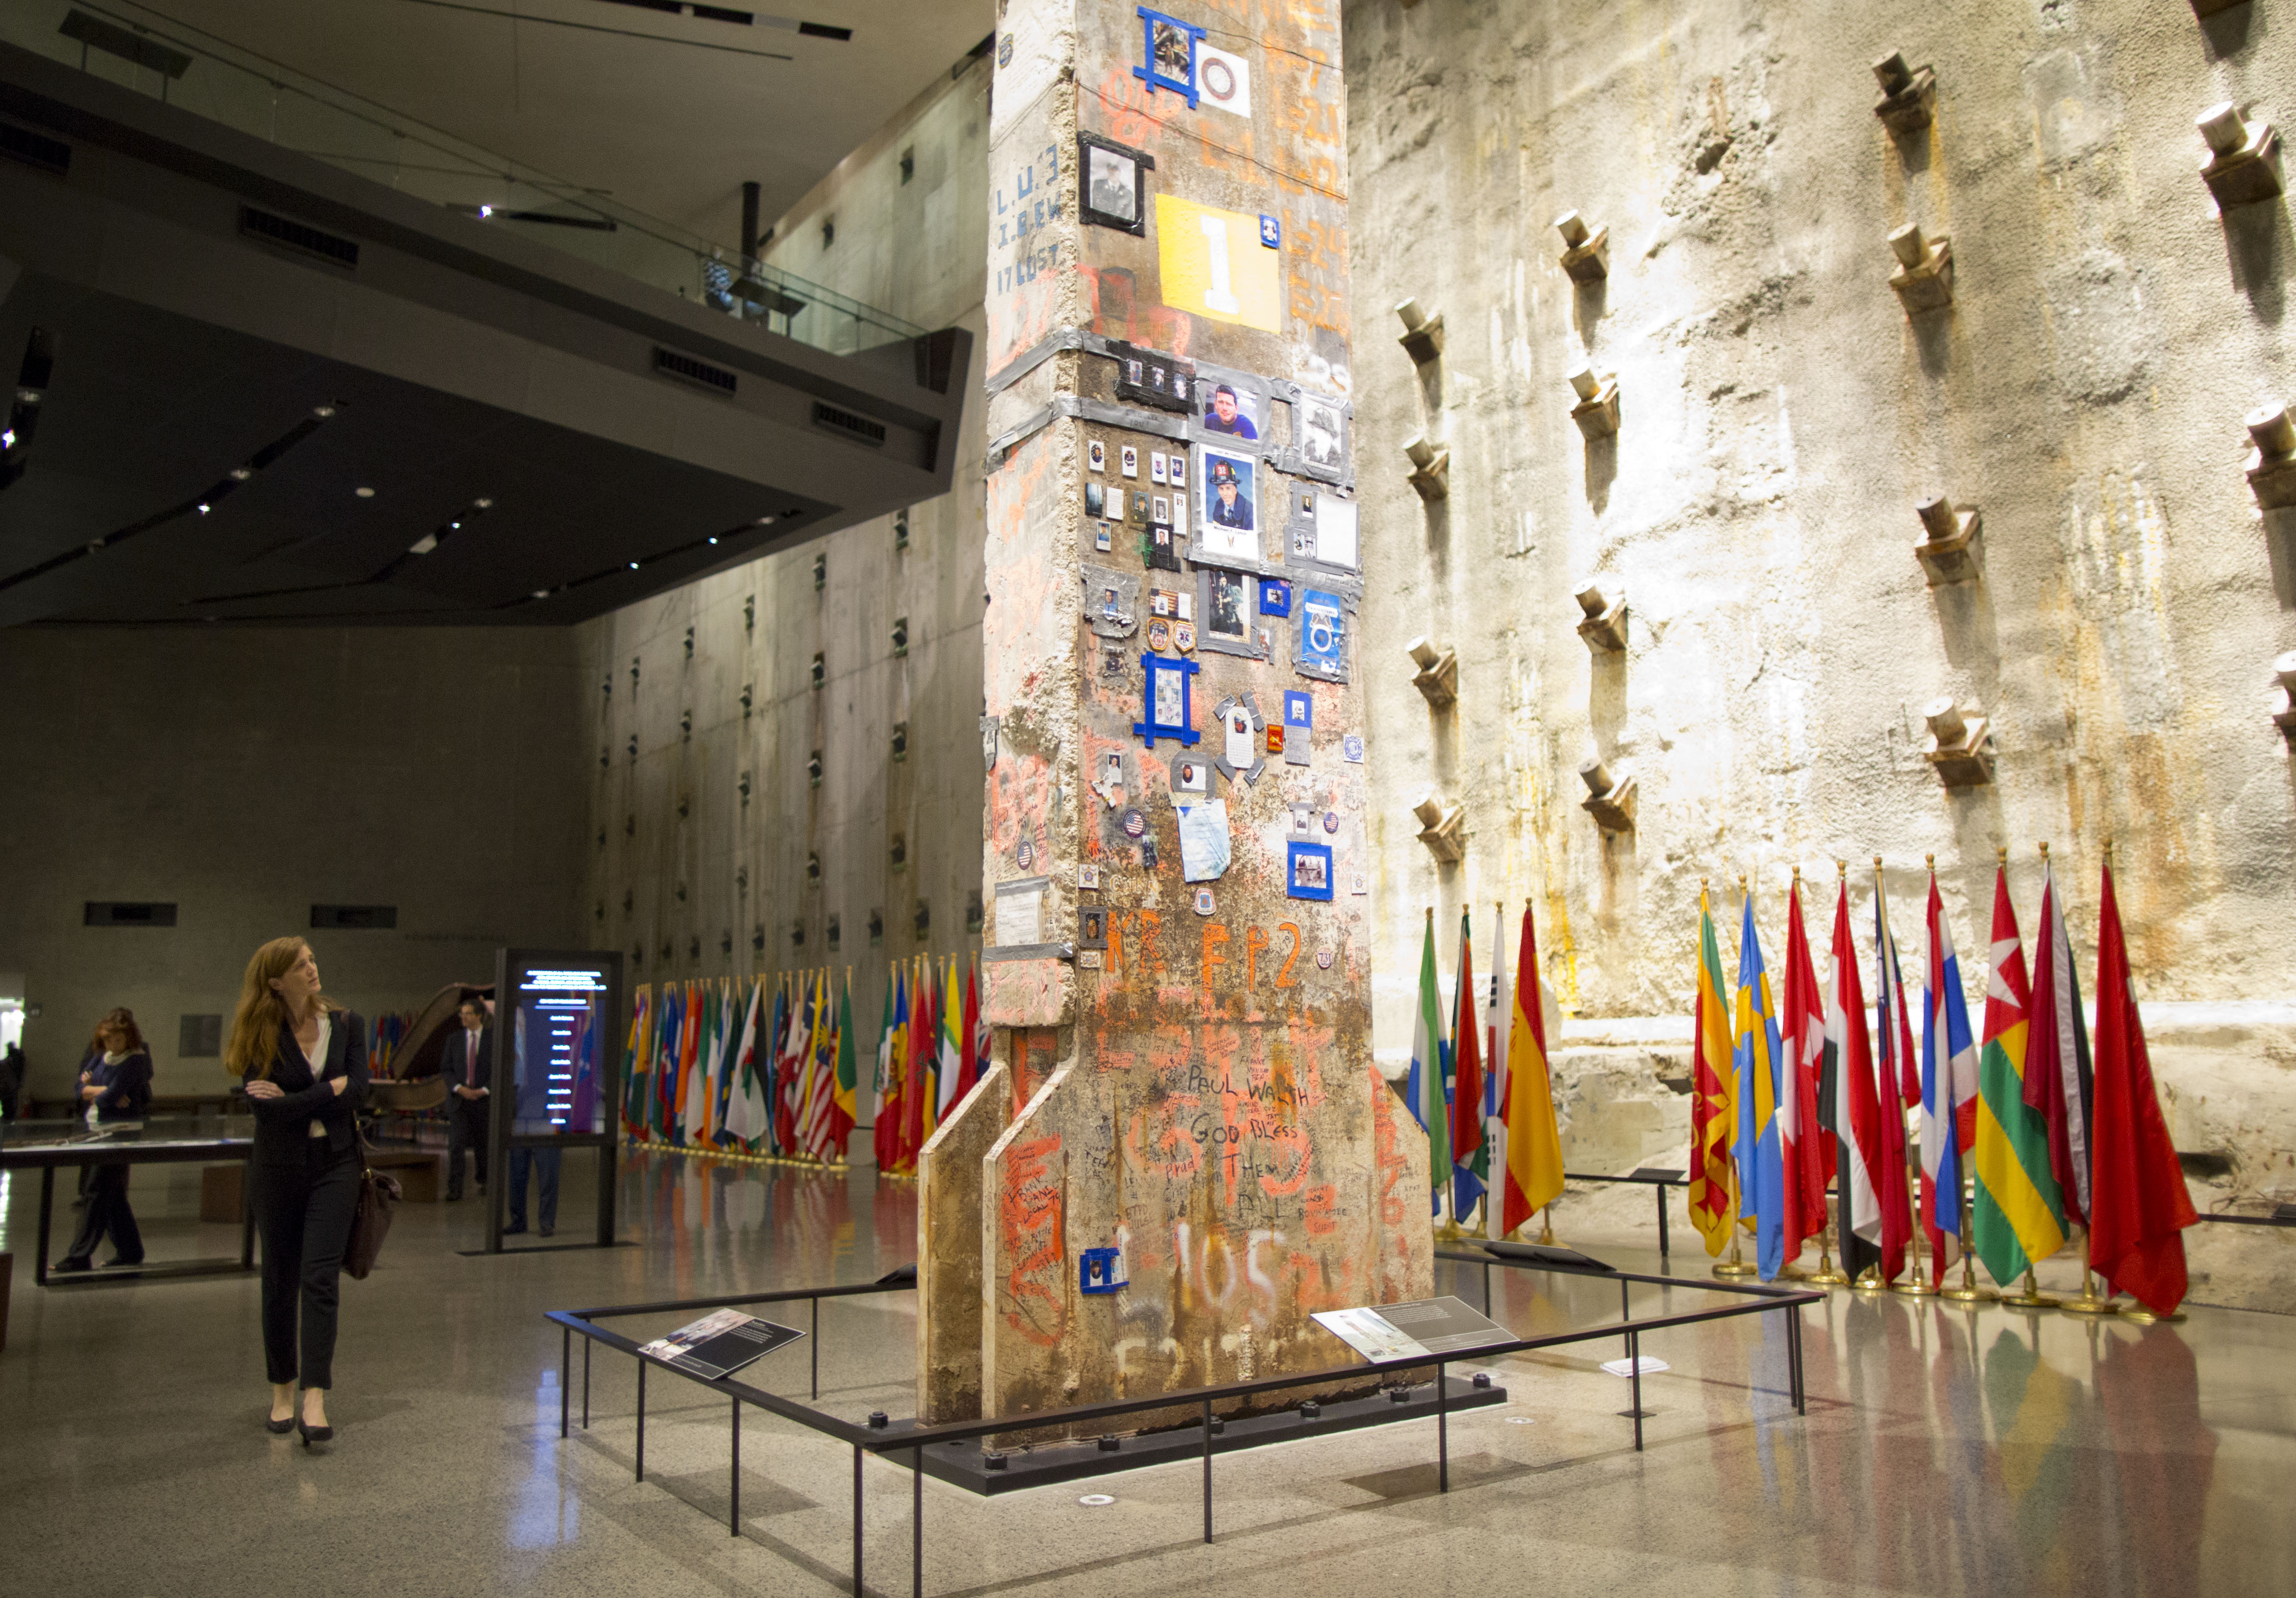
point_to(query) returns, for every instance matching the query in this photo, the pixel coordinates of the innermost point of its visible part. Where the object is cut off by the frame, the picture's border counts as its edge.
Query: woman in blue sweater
(115, 1087)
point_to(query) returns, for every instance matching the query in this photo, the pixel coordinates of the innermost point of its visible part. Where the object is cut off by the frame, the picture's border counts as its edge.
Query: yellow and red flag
(1713, 1117)
(1534, 1148)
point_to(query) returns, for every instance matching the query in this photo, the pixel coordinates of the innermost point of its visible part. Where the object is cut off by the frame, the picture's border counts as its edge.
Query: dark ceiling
(147, 415)
(219, 343)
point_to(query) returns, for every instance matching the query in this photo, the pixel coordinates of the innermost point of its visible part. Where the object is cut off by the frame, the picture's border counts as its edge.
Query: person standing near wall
(469, 1067)
(303, 1058)
(115, 1091)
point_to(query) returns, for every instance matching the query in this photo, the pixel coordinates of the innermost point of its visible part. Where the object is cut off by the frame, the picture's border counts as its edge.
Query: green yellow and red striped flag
(2019, 1209)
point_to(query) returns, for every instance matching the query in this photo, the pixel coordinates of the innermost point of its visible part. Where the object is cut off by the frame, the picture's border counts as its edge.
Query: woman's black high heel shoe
(314, 1434)
(279, 1428)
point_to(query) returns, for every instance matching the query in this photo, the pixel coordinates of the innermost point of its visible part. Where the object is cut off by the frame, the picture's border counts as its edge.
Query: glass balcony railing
(214, 78)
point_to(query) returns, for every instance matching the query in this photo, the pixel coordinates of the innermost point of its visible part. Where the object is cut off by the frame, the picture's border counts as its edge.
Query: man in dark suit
(469, 1067)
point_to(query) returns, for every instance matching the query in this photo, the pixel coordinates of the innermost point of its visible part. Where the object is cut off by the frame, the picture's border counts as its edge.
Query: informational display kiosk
(558, 1037)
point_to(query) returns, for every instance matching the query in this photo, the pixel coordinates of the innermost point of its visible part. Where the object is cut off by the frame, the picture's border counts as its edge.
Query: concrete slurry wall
(245, 774)
(685, 875)
(1781, 415)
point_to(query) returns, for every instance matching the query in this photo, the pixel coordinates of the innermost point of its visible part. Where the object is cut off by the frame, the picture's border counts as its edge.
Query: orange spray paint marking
(1030, 1216)
(1214, 935)
(1254, 940)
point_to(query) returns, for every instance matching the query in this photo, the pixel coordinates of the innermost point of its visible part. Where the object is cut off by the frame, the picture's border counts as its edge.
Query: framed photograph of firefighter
(1224, 601)
(1114, 183)
(1322, 437)
(1227, 504)
(1231, 407)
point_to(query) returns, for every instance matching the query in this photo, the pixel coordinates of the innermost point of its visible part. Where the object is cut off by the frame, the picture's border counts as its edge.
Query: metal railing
(914, 1440)
(124, 43)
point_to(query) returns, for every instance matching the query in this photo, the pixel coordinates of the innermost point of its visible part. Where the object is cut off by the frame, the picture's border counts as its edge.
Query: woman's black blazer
(280, 1134)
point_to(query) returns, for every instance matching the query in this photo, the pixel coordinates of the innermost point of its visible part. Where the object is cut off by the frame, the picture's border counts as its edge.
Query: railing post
(1208, 1469)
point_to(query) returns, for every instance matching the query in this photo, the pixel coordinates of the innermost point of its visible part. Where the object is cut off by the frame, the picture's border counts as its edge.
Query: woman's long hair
(124, 1019)
(254, 1046)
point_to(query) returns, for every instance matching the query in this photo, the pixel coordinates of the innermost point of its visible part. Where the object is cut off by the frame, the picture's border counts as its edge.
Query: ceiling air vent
(853, 426)
(299, 236)
(671, 364)
(36, 149)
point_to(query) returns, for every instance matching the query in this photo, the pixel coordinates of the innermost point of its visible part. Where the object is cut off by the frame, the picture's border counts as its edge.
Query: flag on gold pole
(1534, 1147)
(1713, 1125)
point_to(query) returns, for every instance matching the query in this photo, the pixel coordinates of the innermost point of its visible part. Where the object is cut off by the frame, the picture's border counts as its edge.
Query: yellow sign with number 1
(1214, 265)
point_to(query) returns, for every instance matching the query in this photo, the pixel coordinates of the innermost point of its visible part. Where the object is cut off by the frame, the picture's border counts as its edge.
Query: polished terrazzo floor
(1943, 1453)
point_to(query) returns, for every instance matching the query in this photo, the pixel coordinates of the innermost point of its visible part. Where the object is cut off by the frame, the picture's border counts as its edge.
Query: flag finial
(2002, 854)
(2045, 851)
(1932, 861)
(1841, 871)
(2108, 854)
(1797, 874)
(1877, 863)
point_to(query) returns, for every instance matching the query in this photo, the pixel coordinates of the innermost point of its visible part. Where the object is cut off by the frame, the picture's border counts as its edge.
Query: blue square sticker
(1308, 870)
(1271, 232)
(1275, 596)
(1299, 709)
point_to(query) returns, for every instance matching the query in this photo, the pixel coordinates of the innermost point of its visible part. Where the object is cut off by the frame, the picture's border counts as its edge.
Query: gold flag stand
(1546, 1227)
(1914, 1285)
(2030, 1295)
(2144, 1316)
(1734, 1266)
(2088, 1303)
(1827, 1274)
(1869, 1281)
(1971, 1290)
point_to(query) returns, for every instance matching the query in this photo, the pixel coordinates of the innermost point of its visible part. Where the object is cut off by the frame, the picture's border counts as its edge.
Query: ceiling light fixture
(634, 565)
(203, 510)
(7, 438)
(484, 504)
(323, 412)
(765, 522)
(240, 474)
(424, 545)
(364, 493)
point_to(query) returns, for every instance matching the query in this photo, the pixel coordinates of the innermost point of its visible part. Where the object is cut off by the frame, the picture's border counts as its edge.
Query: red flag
(1808, 1148)
(969, 1043)
(1848, 1107)
(2138, 1203)
(1467, 1062)
(1897, 1076)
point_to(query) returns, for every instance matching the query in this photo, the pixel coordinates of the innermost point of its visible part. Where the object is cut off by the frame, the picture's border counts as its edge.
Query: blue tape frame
(1153, 666)
(1295, 851)
(1148, 74)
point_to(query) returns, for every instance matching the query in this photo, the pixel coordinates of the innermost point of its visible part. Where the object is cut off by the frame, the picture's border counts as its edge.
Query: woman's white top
(317, 1054)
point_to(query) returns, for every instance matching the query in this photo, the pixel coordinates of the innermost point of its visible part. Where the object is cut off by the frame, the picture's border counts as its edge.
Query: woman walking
(303, 1058)
(115, 1087)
